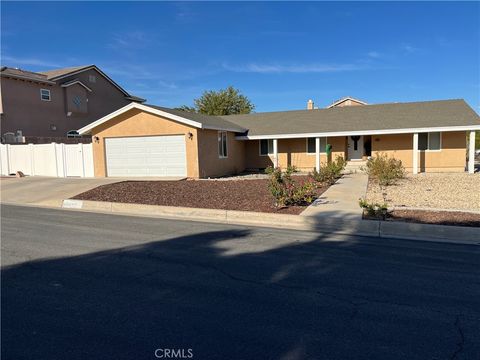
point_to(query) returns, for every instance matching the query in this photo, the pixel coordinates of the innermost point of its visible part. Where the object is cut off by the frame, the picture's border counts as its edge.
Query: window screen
(434, 141)
(222, 144)
(266, 147)
(423, 141)
(311, 145)
(429, 141)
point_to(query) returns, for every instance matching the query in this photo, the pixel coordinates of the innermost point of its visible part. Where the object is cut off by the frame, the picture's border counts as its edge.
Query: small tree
(227, 101)
(186, 108)
(385, 170)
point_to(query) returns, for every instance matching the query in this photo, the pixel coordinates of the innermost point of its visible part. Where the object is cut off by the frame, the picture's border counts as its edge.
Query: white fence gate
(60, 160)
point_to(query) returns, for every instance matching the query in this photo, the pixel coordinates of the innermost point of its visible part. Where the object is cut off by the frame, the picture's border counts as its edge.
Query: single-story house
(147, 140)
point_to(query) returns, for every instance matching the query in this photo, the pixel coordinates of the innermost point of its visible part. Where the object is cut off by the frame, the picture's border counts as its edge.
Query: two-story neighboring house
(51, 105)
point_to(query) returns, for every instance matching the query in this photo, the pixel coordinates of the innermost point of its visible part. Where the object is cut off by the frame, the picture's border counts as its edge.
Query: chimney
(310, 104)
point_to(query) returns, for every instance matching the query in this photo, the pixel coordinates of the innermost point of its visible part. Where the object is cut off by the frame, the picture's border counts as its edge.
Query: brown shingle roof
(24, 74)
(52, 74)
(414, 115)
(56, 74)
(216, 122)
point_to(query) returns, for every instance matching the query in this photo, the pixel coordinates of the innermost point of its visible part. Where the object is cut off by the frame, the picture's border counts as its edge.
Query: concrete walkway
(341, 199)
(51, 191)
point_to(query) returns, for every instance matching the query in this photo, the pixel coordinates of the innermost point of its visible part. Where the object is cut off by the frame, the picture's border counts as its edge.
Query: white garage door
(146, 156)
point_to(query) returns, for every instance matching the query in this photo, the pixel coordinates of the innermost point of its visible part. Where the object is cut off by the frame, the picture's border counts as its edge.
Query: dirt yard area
(460, 191)
(246, 195)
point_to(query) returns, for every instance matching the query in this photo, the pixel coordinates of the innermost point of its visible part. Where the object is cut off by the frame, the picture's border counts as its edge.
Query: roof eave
(26, 78)
(361, 132)
(133, 105)
(135, 98)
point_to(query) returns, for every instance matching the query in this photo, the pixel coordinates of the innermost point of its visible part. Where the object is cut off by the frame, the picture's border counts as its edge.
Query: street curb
(433, 209)
(338, 225)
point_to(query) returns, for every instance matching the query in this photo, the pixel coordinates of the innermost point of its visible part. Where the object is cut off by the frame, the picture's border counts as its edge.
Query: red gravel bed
(245, 195)
(453, 218)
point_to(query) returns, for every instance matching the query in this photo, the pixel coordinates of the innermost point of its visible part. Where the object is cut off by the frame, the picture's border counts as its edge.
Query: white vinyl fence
(60, 160)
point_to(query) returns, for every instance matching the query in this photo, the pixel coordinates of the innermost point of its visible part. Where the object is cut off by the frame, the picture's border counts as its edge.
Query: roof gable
(348, 98)
(198, 121)
(76, 81)
(58, 74)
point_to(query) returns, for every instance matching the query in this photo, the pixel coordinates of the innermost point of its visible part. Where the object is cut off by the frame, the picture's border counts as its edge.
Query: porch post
(317, 153)
(415, 153)
(471, 152)
(275, 153)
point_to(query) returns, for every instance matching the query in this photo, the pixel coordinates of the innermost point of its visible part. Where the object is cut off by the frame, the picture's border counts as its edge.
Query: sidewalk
(336, 212)
(341, 199)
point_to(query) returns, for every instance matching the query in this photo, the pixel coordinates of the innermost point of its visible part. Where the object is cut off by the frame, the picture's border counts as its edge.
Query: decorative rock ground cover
(246, 195)
(435, 191)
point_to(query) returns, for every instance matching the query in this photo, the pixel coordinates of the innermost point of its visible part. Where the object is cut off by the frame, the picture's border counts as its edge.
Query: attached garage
(145, 140)
(146, 156)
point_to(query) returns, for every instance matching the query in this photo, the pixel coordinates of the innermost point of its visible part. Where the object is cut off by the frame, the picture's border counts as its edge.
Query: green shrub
(329, 172)
(385, 170)
(375, 210)
(292, 169)
(286, 191)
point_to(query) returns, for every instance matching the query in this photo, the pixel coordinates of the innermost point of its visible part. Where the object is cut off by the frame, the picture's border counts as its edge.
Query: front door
(355, 147)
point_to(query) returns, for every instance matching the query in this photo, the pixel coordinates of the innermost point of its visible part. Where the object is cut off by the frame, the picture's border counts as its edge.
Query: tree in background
(186, 108)
(227, 101)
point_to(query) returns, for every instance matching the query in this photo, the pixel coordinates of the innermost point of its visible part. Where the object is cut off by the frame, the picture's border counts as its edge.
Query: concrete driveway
(46, 191)
(50, 191)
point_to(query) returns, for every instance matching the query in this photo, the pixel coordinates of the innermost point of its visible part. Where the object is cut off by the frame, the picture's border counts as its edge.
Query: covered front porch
(418, 151)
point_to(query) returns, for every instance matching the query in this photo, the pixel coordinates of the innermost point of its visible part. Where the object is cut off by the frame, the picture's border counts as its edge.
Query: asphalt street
(78, 285)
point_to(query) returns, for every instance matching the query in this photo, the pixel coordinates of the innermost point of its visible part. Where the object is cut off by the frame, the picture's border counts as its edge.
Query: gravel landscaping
(460, 191)
(246, 195)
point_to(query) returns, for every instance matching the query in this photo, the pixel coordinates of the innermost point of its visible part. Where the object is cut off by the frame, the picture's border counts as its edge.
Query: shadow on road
(225, 297)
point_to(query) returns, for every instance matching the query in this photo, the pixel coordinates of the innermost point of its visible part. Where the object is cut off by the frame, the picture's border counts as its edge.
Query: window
(45, 95)
(429, 141)
(77, 100)
(92, 78)
(266, 147)
(222, 144)
(73, 134)
(311, 145)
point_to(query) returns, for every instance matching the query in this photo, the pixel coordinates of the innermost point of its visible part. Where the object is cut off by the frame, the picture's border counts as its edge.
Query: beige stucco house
(146, 140)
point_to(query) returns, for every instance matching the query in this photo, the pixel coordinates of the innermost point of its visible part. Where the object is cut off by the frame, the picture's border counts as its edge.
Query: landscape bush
(374, 210)
(286, 191)
(385, 170)
(329, 172)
